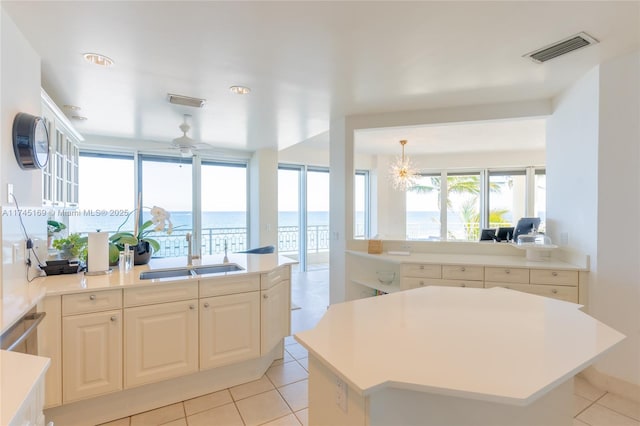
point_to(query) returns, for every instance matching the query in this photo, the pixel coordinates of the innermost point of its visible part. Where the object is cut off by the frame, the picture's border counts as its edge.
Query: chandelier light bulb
(403, 175)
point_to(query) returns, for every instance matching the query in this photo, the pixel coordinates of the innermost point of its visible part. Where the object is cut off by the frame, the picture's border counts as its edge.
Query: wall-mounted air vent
(186, 100)
(562, 47)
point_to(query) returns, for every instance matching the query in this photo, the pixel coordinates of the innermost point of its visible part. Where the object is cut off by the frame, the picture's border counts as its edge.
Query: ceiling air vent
(186, 100)
(562, 47)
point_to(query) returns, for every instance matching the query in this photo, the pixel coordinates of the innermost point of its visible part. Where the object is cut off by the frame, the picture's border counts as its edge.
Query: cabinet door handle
(421, 283)
(192, 306)
(92, 297)
(554, 291)
(422, 267)
(206, 305)
(265, 296)
(463, 285)
(114, 318)
(554, 273)
(463, 269)
(507, 271)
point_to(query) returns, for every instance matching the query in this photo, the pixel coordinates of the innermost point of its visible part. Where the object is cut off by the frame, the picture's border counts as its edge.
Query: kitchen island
(121, 345)
(450, 356)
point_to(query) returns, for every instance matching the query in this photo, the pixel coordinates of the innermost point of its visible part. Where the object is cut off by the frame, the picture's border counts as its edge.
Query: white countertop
(492, 344)
(21, 300)
(18, 375)
(470, 259)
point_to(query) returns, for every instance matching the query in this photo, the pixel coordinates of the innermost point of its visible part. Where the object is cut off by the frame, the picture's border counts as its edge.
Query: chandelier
(403, 175)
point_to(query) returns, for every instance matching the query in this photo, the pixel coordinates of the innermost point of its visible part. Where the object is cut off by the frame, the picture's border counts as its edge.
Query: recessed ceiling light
(72, 107)
(98, 59)
(79, 117)
(239, 90)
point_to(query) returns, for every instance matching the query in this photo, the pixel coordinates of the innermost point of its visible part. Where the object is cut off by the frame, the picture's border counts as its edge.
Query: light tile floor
(280, 397)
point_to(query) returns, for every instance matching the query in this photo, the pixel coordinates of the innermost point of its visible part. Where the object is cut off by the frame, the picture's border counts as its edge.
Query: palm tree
(464, 185)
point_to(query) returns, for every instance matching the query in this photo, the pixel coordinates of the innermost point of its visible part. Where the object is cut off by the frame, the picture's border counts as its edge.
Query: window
(507, 197)
(361, 205)
(224, 206)
(166, 182)
(423, 209)
(472, 204)
(106, 193)
(463, 206)
(540, 197)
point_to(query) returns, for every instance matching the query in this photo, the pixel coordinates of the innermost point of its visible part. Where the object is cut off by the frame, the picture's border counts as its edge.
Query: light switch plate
(341, 394)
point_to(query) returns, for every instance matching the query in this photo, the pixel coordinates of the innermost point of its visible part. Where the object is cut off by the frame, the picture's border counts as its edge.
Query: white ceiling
(308, 62)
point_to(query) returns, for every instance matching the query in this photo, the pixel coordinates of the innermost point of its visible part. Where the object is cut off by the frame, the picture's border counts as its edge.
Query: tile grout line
(591, 403)
(613, 409)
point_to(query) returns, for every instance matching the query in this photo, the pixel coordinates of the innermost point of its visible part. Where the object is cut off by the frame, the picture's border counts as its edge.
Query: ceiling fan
(186, 145)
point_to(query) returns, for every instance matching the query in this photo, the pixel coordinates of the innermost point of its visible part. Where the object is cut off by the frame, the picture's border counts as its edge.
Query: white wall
(572, 165)
(592, 189)
(615, 289)
(19, 92)
(263, 198)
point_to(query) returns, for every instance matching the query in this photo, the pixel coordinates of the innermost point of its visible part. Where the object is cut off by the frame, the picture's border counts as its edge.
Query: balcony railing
(213, 240)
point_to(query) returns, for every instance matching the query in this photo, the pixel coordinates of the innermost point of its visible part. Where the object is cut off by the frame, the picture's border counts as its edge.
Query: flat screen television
(504, 233)
(525, 225)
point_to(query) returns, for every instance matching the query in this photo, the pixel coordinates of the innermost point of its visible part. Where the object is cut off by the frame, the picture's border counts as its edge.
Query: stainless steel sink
(167, 273)
(216, 269)
(190, 271)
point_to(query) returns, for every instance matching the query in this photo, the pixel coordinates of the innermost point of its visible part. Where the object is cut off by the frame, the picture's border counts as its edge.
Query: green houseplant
(139, 239)
(72, 246)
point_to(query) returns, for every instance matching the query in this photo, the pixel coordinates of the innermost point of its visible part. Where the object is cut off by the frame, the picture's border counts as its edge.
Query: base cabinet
(160, 342)
(275, 313)
(92, 360)
(229, 329)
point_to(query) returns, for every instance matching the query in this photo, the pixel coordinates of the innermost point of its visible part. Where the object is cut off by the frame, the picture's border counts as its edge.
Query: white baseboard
(611, 384)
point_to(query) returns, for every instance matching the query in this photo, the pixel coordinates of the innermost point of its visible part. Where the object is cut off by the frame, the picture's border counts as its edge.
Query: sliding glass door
(303, 215)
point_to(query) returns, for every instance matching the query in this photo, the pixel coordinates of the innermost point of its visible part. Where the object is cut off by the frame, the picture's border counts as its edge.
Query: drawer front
(91, 301)
(407, 283)
(160, 293)
(268, 280)
(566, 293)
(507, 275)
(422, 270)
(554, 277)
(463, 272)
(229, 285)
(461, 283)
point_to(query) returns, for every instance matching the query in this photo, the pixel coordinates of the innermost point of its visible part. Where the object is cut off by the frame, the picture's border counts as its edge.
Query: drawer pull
(507, 271)
(192, 306)
(114, 318)
(463, 285)
(421, 283)
(554, 291)
(422, 267)
(463, 269)
(92, 297)
(206, 305)
(265, 296)
(554, 273)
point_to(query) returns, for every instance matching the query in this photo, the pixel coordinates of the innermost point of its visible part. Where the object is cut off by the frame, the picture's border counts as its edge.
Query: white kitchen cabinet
(560, 281)
(229, 329)
(160, 342)
(92, 354)
(60, 176)
(275, 315)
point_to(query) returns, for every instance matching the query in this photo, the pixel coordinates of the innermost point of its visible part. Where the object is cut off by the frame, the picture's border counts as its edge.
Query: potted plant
(143, 246)
(53, 227)
(71, 247)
